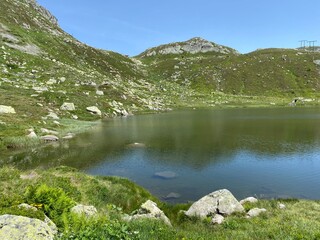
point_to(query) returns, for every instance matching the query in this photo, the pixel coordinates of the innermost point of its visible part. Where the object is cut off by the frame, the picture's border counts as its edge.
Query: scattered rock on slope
(6, 109)
(218, 202)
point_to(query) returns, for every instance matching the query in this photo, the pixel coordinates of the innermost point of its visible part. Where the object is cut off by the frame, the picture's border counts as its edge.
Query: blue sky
(129, 27)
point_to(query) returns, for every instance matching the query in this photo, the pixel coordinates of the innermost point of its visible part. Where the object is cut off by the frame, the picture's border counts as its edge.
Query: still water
(266, 153)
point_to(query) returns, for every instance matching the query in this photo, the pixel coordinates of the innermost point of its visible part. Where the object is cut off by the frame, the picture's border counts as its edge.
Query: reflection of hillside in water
(192, 138)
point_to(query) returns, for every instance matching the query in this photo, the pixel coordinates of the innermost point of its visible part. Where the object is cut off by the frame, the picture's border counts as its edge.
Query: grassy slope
(114, 196)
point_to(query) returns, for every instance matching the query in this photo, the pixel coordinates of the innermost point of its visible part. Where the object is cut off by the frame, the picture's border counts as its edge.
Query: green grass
(113, 196)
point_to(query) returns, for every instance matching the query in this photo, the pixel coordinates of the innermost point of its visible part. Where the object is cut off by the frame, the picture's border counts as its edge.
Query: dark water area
(267, 153)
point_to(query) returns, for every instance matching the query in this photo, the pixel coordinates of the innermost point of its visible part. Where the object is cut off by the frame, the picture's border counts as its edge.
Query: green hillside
(42, 67)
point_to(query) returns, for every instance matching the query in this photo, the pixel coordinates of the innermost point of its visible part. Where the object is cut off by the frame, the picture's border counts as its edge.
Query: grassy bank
(55, 191)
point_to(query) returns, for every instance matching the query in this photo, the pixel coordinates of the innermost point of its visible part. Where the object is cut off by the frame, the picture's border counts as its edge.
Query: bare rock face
(219, 202)
(17, 227)
(194, 45)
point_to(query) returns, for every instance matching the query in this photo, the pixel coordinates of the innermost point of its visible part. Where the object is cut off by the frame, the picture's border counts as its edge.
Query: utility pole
(303, 43)
(311, 44)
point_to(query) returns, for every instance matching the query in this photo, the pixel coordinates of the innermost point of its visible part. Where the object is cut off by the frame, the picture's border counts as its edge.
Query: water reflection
(249, 151)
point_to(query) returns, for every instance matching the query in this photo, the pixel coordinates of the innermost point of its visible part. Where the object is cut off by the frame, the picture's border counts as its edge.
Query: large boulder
(17, 227)
(219, 202)
(6, 109)
(150, 210)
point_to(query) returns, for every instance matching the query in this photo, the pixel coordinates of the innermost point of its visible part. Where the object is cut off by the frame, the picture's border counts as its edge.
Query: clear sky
(131, 26)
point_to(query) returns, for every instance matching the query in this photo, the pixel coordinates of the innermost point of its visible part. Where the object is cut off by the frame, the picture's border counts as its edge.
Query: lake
(182, 155)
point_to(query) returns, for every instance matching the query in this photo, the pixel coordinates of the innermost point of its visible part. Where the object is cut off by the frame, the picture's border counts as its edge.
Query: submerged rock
(218, 202)
(165, 175)
(137, 145)
(172, 195)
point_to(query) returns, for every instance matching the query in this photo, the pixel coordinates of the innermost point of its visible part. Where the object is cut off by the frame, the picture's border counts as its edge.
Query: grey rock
(44, 130)
(88, 211)
(255, 212)
(6, 109)
(18, 227)
(317, 62)
(281, 206)
(217, 219)
(40, 89)
(166, 174)
(218, 202)
(51, 81)
(32, 135)
(172, 195)
(94, 110)
(53, 115)
(67, 106)
(248, 199)
(150, 210)
(47, 220)
(50, 138)
(100, 93)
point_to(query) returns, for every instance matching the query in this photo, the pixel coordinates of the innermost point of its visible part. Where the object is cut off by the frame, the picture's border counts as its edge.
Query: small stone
(255, 212)
(44, 130)
(217, 219)
(32, 135)
(137, 145)
(75, 117)
(6, 109)
(248, 199)
(53, 116)
(50, 138)
(88, 211)
(67, 106)
(100, 93)
(282, 206)
(94, 110)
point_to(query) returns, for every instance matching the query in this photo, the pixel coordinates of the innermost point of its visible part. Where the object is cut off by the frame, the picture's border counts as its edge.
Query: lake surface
(268, 153)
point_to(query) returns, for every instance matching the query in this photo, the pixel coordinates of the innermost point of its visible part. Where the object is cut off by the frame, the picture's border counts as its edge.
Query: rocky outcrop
(194, 45)
(6, 109)
(150, 210)
(44, 12)
(219, 202)
(88, 211)
(17, 227)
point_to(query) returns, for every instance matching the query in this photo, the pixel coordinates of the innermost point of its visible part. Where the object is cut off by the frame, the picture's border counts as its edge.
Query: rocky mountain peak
(193, 46)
